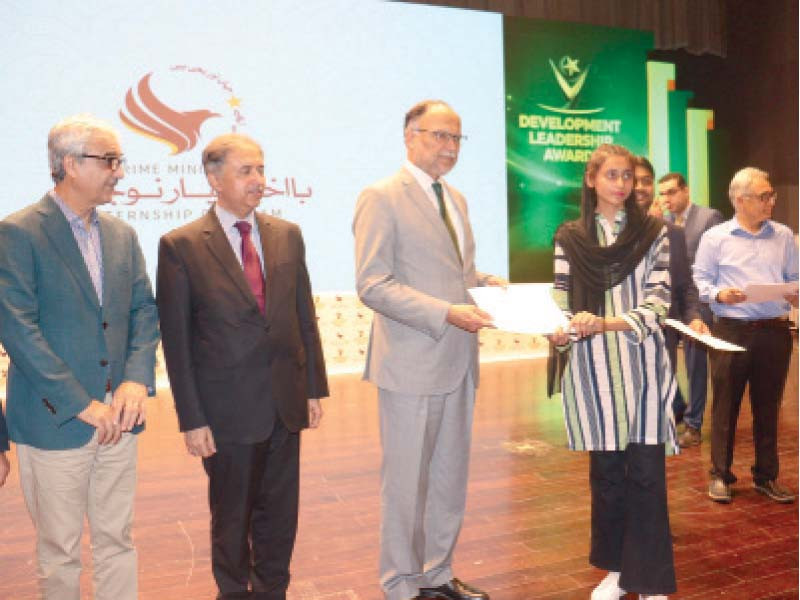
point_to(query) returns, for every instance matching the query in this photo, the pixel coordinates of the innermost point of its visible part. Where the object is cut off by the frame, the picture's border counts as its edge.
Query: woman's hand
(585, 323)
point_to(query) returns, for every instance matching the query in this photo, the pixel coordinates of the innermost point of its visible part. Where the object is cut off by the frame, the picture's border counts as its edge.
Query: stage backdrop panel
(322, 84)
(569, 88)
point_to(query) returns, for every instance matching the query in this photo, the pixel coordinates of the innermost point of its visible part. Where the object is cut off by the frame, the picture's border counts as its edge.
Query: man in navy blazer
(685, 305)
(695, 220)
(80, 325)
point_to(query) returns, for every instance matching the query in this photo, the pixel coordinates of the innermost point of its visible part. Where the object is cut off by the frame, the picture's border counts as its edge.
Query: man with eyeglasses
(80, 325)
(748, 249)
(695, 220)
(415, 259)
(685, 305)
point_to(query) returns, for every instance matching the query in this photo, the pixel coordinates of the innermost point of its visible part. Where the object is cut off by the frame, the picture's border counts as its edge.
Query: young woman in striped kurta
(612, 282)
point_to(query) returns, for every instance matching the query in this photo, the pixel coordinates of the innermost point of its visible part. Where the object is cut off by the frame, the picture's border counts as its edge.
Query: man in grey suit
(695, 220)
(79, 322)
(415, 256)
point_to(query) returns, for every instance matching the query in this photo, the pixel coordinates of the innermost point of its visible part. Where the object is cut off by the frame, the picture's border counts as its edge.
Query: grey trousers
(426, 443)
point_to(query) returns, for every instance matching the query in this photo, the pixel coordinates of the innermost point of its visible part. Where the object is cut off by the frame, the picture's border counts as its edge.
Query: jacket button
(104, 363)
(105, 325)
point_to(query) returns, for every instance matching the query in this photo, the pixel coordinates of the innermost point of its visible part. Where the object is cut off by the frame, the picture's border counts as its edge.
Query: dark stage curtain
(697, 26)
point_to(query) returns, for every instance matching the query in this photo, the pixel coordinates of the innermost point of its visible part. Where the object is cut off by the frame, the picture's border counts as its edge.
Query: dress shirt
(89, 243)
(729, 256)
(228, 221)
(426, 183)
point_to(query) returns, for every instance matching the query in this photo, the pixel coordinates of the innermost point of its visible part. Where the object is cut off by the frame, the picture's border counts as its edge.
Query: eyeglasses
(443, 136)
(670, 192)
(763, 197)
(613, 174)
(644, 180)
(114, 162)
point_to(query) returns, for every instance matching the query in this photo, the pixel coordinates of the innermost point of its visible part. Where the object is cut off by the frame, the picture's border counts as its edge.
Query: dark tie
(251, 264)
(437, 189)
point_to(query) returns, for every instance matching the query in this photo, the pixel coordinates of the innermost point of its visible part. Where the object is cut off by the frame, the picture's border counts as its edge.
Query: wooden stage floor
(526, 529)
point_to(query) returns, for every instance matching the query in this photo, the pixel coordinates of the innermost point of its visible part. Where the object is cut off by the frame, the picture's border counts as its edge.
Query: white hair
(742, 181)
(69, 138)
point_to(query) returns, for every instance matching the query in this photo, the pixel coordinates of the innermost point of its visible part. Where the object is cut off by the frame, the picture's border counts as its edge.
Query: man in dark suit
(245, 364)
(79, 323)
(695, 220)
(685, 305)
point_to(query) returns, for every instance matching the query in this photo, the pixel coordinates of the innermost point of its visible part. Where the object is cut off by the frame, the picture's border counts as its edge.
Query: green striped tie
(437, 189)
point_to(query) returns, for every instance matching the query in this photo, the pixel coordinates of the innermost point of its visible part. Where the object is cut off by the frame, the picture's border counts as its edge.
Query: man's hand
(585, 323)
(5, 468)
(468, 317)
(129, 404)
(699, 327)
(103, 418)
(200, 442)
(791, 299)
(495, 281)
(314, 413)
(731, 296)
(656, 208)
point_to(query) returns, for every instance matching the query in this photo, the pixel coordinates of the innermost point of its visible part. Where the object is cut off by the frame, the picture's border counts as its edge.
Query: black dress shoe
(455, 590)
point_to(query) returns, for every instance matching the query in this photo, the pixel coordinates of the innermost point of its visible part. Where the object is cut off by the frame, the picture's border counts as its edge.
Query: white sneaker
(608, 589)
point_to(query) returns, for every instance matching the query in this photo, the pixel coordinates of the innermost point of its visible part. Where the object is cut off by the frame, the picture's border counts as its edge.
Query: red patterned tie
(251, 264)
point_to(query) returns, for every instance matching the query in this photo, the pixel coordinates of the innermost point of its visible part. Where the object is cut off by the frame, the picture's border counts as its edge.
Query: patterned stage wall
(344, 326)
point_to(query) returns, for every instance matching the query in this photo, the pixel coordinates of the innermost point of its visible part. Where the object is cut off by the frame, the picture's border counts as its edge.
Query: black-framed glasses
(113, 161)
(444, 136)
(763, 197)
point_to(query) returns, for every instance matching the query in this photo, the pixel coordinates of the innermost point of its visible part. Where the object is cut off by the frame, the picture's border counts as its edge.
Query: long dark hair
(595, 268)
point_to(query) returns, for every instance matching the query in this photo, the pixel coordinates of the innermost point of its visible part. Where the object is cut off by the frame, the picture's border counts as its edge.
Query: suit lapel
(112, 258)
(59, 232)
(269, 250)
(220, 248)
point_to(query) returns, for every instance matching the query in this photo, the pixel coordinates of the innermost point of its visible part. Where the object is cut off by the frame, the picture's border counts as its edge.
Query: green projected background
(569, 88)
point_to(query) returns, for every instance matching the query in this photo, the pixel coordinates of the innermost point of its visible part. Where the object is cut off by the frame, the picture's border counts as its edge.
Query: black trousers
(630, 521)
(764, 366)
(253, 496)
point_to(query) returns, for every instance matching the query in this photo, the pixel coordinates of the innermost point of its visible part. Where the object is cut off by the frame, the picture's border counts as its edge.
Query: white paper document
(707, 339)
(769, 292)
(521, 307)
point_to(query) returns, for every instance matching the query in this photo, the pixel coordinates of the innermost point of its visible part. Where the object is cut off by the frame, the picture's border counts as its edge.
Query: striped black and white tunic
(618, 386)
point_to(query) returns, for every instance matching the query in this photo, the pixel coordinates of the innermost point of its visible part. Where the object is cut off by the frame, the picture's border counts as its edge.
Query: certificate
(707, 339)
(521, 308)
(769, 292)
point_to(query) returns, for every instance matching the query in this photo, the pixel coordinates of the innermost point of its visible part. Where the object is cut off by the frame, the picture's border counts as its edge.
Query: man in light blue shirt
(750, 248)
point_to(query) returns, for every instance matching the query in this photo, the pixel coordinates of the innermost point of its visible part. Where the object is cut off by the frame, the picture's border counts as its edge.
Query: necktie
(437, 189)
(251, 264)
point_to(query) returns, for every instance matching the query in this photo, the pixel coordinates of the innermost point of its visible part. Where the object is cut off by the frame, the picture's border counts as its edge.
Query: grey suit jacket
(698, 220)
(408, 272)
(63, 345)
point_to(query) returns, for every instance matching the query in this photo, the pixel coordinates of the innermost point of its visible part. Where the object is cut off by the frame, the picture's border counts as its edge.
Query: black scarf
(594, 268)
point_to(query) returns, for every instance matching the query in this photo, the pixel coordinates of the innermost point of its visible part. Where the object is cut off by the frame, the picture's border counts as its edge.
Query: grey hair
(742, 180)
(69, 138)
(420, 108)
(216, 152)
